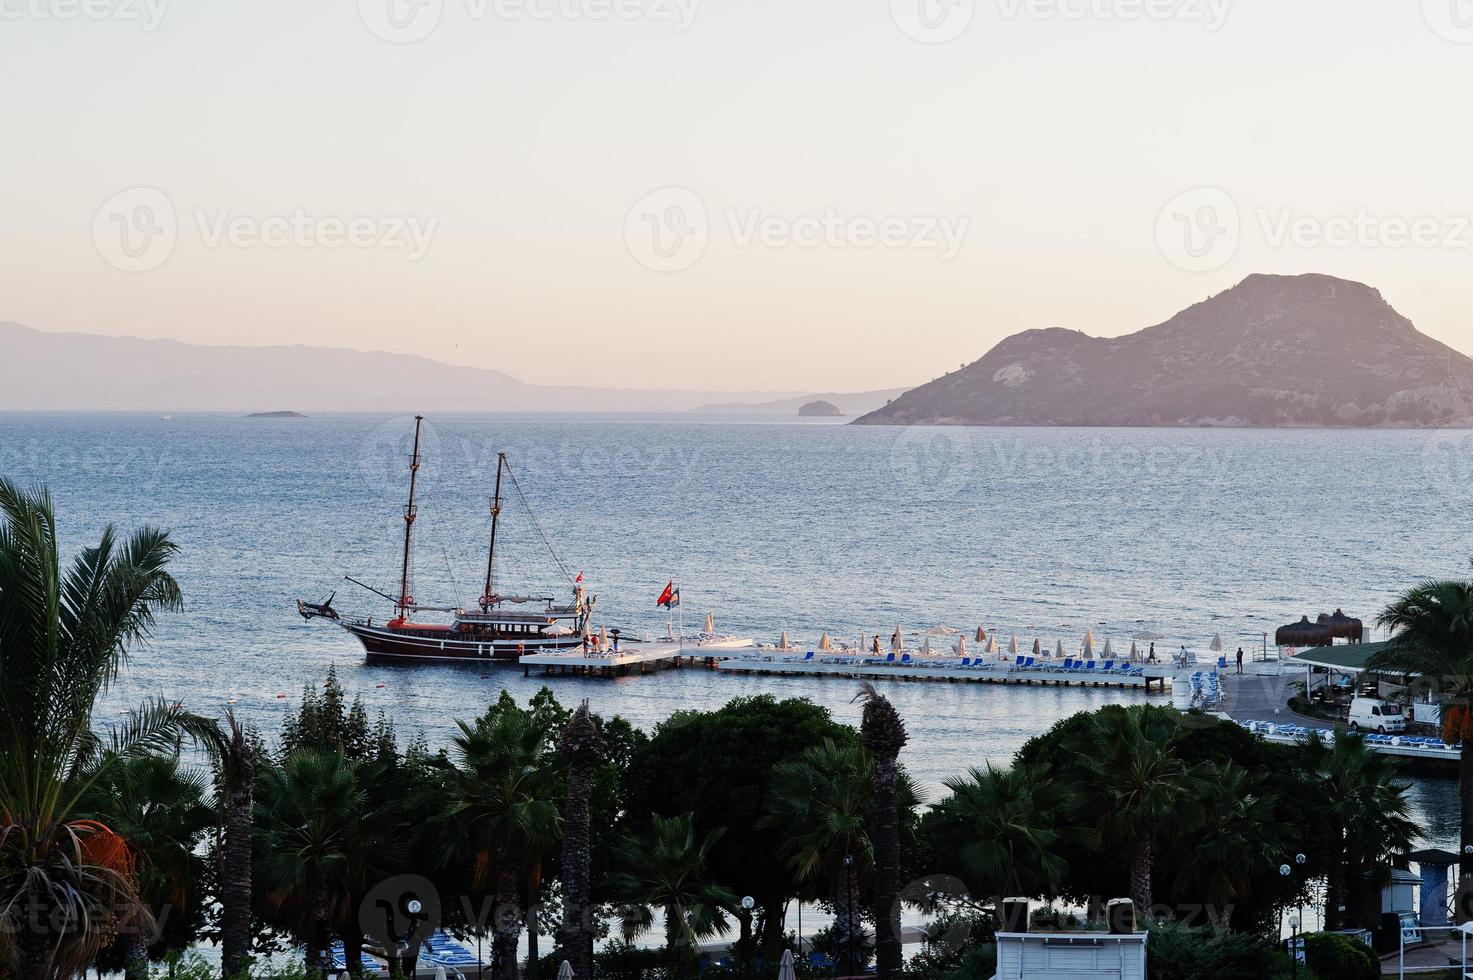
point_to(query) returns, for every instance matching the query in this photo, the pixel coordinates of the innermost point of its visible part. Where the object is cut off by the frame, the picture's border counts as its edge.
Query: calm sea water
(770, 525)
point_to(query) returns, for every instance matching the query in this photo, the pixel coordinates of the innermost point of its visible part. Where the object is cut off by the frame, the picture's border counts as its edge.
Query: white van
(1375, 715)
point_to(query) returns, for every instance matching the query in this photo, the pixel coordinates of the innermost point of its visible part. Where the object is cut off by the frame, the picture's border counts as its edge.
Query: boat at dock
(495, 628)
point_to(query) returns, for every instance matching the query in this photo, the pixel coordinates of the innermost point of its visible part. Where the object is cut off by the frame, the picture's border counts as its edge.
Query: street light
(748, 903)
(1294, 945)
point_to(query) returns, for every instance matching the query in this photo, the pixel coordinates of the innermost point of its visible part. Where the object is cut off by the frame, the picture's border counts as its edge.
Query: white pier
(638, 657)
(1141, 677)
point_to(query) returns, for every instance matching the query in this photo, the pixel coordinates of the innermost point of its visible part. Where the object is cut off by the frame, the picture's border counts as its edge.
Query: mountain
(1307, 350)
(854, 403)
(41, 371)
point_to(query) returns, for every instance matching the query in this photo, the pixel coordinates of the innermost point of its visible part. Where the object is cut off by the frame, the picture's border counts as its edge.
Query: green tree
(1432, 636)
(582, 747)
(718, 766)
(1002, 832)
(162, 810)
(317, 835)
(64, 636)
(235, 781)
(882, 731)
(1366, 807)
(502, 817)
(1234, 835)
(664, 868)
(1130, 780)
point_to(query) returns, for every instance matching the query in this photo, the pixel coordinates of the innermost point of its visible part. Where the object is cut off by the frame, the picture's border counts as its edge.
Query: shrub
(1331, 954)
(1177, 952)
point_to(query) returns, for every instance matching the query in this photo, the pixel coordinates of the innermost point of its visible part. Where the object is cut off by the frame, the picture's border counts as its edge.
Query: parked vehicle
(1375, 715)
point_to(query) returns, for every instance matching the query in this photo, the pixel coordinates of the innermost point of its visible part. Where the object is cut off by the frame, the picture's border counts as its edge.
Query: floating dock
(1142, 677)
(1406, 746)
(637, 658)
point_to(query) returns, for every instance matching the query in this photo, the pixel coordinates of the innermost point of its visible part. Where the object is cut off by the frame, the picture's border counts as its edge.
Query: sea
(768, 524)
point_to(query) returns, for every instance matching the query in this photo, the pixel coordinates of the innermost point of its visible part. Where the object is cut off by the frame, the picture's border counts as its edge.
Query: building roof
(1348, 657)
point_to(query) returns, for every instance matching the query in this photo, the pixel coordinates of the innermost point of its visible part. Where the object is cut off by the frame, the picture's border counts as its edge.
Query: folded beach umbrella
(824, 643)
(961, 646)
(1216, 643)
(1013, 645)
(991, 645)
(1089, 643)
(783, 642)
(710, 623)
(1108, 652)
(926, 646)
(1037, 647)
(981, 635)
(565, 972)
(1058, 648)
(897, 642)
(785, 970)
(1133, 651)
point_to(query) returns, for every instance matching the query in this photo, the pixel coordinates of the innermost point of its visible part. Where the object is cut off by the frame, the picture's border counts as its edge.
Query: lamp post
(748, 903)
(1294, 917)
(1294, 945)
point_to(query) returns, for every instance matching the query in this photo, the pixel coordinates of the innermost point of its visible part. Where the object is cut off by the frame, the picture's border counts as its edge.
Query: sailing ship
(499, 628)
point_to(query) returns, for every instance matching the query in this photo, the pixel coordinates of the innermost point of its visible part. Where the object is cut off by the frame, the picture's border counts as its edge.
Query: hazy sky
(825, 194)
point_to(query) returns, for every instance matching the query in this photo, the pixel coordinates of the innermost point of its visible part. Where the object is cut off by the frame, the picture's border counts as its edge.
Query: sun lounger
(904, 658)
(1019, 662)
(808, 655)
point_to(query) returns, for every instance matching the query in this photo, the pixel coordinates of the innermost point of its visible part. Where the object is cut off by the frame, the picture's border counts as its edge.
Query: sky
(725, 194)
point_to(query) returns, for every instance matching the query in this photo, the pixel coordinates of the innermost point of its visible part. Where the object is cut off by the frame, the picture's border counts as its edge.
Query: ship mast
(487, 594)
(405, 599)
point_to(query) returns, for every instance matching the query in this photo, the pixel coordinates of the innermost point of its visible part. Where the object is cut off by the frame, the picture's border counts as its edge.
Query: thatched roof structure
(1303, 634)
(1342, 626)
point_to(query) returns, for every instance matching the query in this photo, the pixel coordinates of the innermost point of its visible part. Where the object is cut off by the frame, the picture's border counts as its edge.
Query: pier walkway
(1047, 673)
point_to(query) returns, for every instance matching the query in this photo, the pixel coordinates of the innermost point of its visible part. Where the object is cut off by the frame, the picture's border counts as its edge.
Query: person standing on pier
(1240, 660)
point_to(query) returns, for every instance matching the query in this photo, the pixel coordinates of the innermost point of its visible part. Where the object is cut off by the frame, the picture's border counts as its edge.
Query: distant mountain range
(857, 403)
(1307, 350)
(41, 371)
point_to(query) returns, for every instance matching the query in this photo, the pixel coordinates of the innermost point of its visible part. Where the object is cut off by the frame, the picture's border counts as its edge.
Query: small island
(820, 410)
(276, 415)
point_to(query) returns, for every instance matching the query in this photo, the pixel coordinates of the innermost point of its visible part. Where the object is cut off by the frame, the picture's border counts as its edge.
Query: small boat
(497, 628)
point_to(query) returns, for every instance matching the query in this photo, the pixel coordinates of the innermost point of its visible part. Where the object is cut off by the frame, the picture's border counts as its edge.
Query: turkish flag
(667, 595)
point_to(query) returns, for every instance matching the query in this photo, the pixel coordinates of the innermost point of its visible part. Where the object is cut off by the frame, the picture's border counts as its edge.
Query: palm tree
(824, 802)
(882, 731)
(1005, 826)
(236, 770)
(1432, 636)
(503, 817)
(1243, 837)
(665, 867)
(582, 746)
(161, 810)
(1130, 781)
(64, 636)
(312, 816)
(1367, 809)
